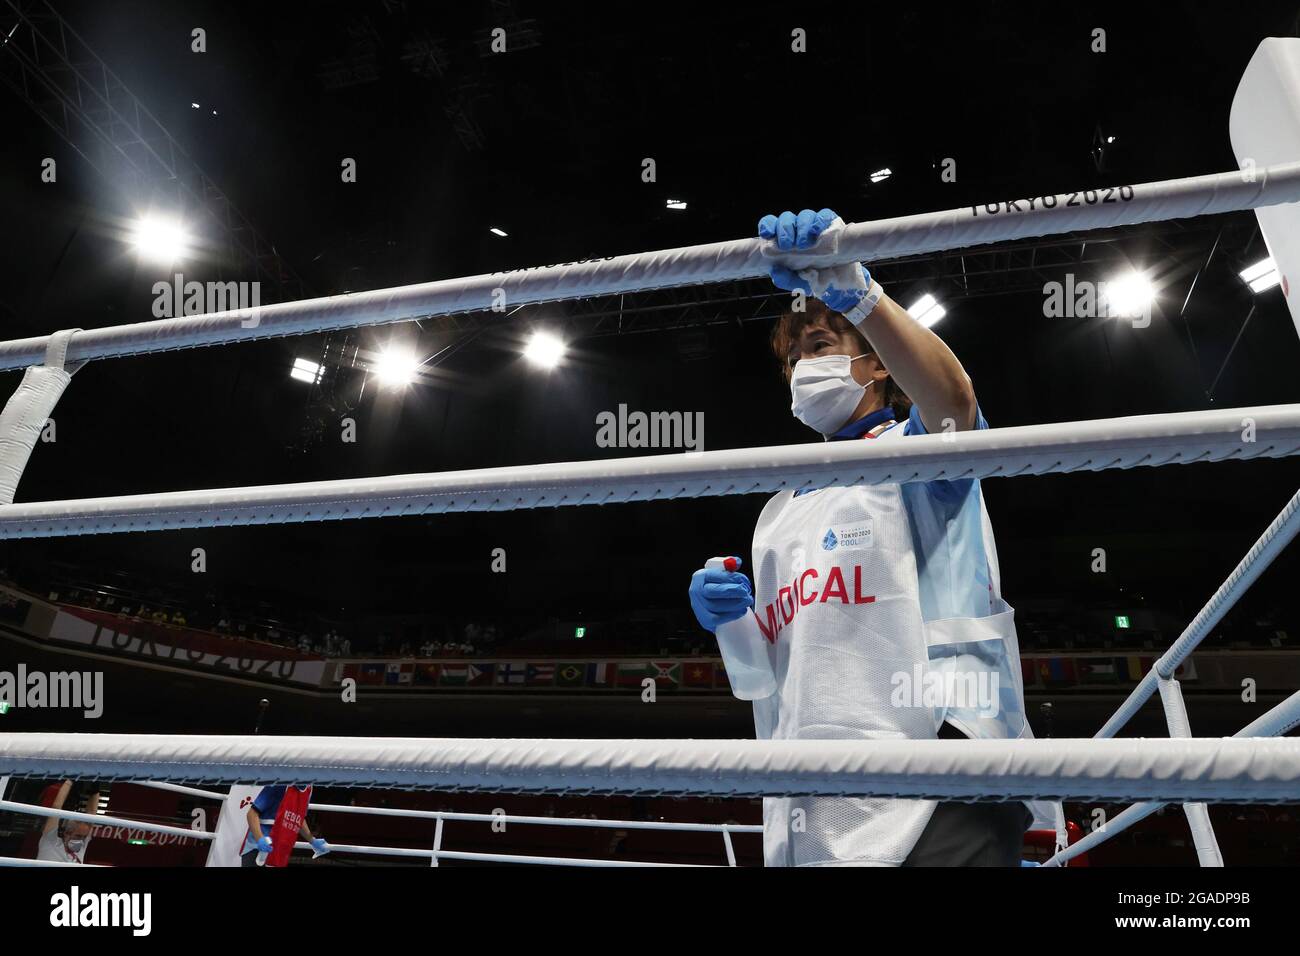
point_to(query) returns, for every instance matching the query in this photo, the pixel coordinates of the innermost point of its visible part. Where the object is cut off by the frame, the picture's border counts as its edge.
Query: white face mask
(824, 393)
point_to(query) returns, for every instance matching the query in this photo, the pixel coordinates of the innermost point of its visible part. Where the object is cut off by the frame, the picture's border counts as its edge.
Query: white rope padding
(1211, 770)
(1012, 217)
(1239, 434)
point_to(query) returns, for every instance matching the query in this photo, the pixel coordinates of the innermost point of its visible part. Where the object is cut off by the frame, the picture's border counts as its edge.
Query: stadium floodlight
(395, 367)
(305, 370)
(160, 239)
(1129, 295)
(1262, 276)
(927, 310)
(545, 349)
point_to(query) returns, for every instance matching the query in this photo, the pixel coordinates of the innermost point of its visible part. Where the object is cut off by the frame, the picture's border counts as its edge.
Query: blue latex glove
(719, 597)
(793, 233)
(320, 846)
(264, 845)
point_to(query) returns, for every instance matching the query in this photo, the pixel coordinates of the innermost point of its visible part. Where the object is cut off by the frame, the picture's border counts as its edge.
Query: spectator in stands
(178, 618)
(346, 647)
(65, 841)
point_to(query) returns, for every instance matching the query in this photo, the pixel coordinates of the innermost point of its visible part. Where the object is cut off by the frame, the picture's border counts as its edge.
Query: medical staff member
(880, 605)
(62, 840)
(276, 817)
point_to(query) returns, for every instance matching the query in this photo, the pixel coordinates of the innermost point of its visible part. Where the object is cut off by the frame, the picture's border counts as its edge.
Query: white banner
(232, 826)
(69, 628)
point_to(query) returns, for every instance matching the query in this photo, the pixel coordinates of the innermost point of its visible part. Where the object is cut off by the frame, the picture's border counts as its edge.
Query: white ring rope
(1175, 771)
(99, 819)
(1155, 771)
(1270, 544)
(437, 853)
(1009, 219)
(1277, 721)
(1145, 440)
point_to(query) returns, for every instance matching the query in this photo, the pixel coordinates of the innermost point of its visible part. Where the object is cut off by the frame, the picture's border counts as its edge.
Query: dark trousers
(971, 834)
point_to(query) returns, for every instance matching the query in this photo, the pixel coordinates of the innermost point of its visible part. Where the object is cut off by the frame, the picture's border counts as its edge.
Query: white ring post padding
(1175, 771)
(1002, 452)
(1280, 532)
(1010, 218)
(25, 414)
(1198, 815)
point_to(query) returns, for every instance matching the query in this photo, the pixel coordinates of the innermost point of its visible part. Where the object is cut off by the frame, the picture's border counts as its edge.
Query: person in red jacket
(275, 819)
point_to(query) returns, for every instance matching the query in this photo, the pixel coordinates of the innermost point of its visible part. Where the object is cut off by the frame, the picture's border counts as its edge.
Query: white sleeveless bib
(837, 597)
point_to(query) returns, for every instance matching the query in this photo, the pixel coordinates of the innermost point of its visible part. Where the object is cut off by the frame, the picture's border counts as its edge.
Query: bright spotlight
(498, 232)
(927, 310)
(677, 204)
(160, 240)
(545, 350)
(395, 367)
(1129, 296)
(880, 175)
(305, 370)
(1262, 276)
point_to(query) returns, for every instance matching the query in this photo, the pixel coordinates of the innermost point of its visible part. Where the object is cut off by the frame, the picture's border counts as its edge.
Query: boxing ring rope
(1210, 770)
(1145, 440)
(1274, 723)
(726, 829)
(1271, 543)
(1020, 218)
(1182, 769)
(98, 819)
(432, 855)
(1280, 532)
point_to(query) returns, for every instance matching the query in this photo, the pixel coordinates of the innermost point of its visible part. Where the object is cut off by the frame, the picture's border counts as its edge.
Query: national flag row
(670, 674)
(1067, 671)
